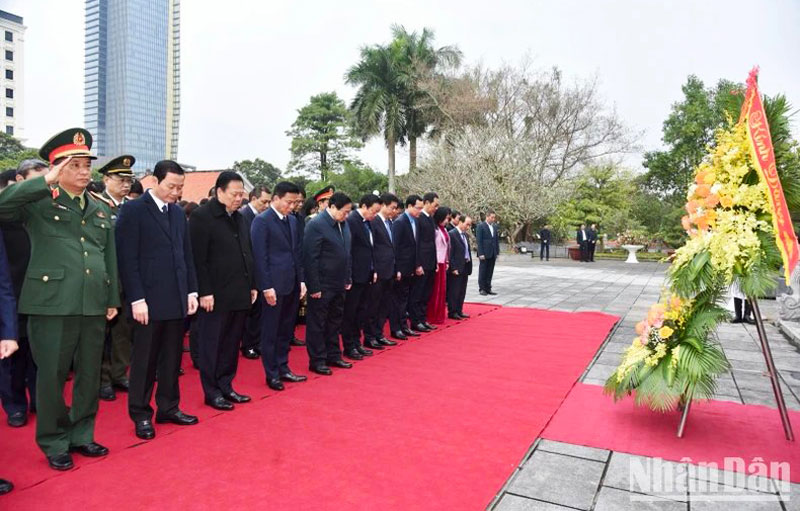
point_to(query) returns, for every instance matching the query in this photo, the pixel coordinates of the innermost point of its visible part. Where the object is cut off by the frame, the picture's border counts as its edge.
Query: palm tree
(378, 104)
(419, 61)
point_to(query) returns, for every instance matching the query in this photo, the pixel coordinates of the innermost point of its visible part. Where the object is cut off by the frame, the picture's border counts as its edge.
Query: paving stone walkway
(557, 476)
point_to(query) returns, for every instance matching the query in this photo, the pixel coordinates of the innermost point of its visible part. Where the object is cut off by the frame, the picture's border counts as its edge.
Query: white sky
(248, 65)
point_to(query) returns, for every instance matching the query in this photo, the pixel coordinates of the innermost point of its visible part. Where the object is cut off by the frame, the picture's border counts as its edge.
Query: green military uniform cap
(119, 166)
(71, 142)
(325, 193)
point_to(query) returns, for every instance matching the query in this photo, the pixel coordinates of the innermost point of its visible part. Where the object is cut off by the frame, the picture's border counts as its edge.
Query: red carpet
(443, 419)
(715, 430)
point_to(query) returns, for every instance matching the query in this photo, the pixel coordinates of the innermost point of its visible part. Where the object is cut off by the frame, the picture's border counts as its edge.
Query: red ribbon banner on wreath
(764, 160)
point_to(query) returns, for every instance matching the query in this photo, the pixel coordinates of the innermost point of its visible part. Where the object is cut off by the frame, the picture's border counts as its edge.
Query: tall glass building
(132, 79)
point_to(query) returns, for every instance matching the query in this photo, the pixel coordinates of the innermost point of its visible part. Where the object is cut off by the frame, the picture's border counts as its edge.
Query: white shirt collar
(280, 215)
(160, 203)
(382, 217)
(255, 211)
(425, 213)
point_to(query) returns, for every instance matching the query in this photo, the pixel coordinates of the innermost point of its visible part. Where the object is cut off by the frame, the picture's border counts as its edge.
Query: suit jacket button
(45, 278)
(88, 271)
(83, 222)
(83, 239)
(56, 218)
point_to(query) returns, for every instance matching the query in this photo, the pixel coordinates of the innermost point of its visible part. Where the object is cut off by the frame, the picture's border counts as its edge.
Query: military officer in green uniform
(118, 177)
(70, 291)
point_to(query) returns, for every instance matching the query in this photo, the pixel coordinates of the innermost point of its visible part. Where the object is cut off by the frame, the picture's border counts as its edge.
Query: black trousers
(737, 308)
(157, 346)
(485, 273)
(323, 322)
(401, 291)
(456, 292)
(355, 318)
(194, 340)
(592, 245)
(220, 332)
(420, 294)
(380, 306)
(251, 336)
(277, 330)
(18, 378)
(544, 251)
(584, 251)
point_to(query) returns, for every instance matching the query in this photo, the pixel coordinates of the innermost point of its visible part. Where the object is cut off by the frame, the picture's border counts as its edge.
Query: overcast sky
(247, 65)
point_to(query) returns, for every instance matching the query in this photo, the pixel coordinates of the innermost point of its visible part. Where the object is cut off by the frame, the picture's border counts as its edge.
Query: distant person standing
(488, 250)
(582, 238)
(592, 242)
(436, 311)
(460, 269)
(544, 239)
(8, 325)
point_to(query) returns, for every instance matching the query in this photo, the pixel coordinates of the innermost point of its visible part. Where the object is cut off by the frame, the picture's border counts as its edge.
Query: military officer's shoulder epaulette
(102, 199)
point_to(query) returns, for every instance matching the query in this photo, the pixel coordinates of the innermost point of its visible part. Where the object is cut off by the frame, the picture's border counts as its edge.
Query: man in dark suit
(226, 285)
(158, 275)
(488, 251)
(407, 263)
(18, 372)
(380, 304)
(460, 268)
(251, 339)
(421, 292)
(592, 242)
(8, 325)
(326, 261)
(545, 237)
(582, 238)
(364, 276)
(275, 237)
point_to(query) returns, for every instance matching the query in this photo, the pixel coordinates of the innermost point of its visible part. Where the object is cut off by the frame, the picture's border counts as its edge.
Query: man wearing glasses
(118, 177)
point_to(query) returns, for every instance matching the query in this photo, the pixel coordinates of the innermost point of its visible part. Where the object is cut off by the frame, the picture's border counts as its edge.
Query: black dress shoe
(428, 325)
(750, 321)
(107, 393)
(235, 397)
(294, 378)
(61, 461)
(275, 384)
(250, 353)
(454, 316)
(375, 345)
(122, 385)
(353, 354)
(5, 486)
(220, 403)
(321, 369)
(145, 430)
(737, 320)
(462, 315)
(387, 342)
(90, 450)
(483, 293)
(340, 363)
(419, 327)
(363, 351)
(17, 419)
(179, 418)
(297, 342)
(410, 333)
(492, 293)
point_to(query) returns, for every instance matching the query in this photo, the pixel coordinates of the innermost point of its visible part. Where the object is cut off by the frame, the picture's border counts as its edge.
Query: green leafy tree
(356, 180)
(258, 172)
(420, 62)
(378, 107)
(322, 136)
(12, 152)
(603, 195)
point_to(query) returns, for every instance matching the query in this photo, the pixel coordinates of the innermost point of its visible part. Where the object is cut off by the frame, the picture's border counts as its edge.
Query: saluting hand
(139, 311)
(207, 303)
(8, 347)
(191, 305)
(51, 177)
(111, 313)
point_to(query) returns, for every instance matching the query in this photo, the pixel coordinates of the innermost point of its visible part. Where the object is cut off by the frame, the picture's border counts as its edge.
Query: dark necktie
(369, 234)
(164, 209)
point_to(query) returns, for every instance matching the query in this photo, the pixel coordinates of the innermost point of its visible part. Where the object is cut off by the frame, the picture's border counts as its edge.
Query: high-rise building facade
(132, 78)
(12, 35)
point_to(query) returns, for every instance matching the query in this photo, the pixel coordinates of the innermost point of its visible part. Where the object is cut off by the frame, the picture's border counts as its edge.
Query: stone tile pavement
(557, 476)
